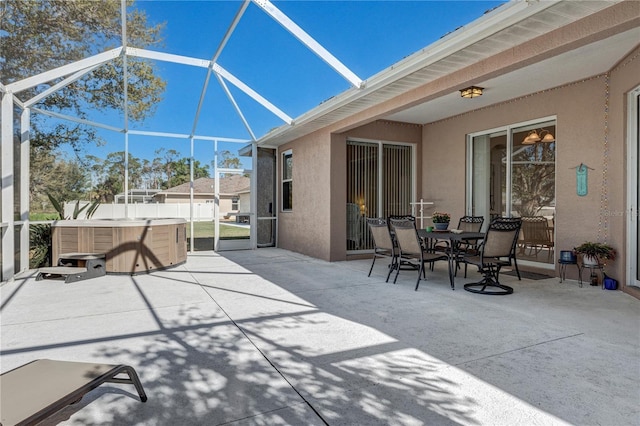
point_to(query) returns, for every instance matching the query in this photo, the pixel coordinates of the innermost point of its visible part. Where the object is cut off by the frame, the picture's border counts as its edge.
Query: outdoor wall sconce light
(471, 92)
(545, 136)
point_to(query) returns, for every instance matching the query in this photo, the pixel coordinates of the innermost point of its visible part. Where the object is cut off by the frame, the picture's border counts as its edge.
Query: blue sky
(366, 36)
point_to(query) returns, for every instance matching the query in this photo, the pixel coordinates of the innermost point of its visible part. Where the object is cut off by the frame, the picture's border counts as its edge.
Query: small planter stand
(592, 271)
(563, 268)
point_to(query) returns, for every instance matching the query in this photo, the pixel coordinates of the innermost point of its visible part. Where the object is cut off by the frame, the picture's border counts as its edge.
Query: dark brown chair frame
(468, 224)
(494, 254)
(412, 249)
(383, 243)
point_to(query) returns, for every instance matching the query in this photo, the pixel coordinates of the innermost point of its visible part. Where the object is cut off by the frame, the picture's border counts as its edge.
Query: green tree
(109, 175)
(165, 161)
(182, 173)
(37, 36)
(64, 179)
(228, 161)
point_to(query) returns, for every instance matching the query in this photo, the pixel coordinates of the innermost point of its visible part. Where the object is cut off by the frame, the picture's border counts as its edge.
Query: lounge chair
(36, 390)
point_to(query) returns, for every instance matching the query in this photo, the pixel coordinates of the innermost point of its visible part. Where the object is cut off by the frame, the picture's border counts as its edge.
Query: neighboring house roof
(205, 186)
(503, 30)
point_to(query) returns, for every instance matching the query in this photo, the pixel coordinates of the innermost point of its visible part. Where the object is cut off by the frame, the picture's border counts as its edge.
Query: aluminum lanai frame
(76, 70)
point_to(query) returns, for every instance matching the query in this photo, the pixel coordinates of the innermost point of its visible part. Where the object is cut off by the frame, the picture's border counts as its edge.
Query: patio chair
(496, 250)
(471, 223)
(36, 390)
(537, 235)
(412, 249)
(468, 224)
(383, 244)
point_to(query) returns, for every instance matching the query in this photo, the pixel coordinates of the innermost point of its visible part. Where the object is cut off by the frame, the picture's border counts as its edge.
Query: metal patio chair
(412, 249)
(383, 243)
(468, 224)
(496, 250)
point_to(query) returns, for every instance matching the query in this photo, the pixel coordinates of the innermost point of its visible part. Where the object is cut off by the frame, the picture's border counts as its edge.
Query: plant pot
(590, 260)
(567, 256)
(441, 226)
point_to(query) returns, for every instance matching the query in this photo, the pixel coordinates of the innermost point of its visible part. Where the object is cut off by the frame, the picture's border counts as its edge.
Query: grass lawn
(43, 216)
(206, 230)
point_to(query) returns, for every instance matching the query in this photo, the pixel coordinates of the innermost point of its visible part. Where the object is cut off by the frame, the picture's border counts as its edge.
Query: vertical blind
(397, 179)
(379, 184)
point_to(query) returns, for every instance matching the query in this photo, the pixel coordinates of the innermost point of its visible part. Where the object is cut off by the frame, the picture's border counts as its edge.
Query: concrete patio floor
(270, 337)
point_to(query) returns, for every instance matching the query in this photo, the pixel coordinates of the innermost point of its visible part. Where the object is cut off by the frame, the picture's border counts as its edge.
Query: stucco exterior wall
(305, 229)
(381, 130)
(580, 138)
(316, 226)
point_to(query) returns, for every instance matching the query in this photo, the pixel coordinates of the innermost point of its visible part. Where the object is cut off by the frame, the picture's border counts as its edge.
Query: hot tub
(131, 246)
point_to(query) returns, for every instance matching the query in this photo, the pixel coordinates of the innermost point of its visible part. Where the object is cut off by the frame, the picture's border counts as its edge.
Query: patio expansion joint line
(520, 348)
(280, 373)
(235, 421)
(73, 317)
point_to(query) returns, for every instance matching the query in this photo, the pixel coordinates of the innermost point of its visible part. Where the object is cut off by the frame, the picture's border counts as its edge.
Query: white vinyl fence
(201, 211)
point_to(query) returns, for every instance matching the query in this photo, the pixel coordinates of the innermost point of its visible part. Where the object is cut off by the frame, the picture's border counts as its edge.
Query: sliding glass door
(512, 173)
(380, 180)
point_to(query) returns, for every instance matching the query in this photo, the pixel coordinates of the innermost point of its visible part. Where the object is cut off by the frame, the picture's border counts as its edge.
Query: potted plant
(593, 253)
(441, 220)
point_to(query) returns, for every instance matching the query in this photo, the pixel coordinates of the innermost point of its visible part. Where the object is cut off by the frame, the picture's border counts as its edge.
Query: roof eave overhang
(492, 22)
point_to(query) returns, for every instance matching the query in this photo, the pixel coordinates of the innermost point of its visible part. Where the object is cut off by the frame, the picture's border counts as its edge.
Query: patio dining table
(453, 249)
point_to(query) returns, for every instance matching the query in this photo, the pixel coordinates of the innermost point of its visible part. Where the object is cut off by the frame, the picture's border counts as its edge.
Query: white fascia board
(249, 91)
(502, 17)
(77, 120)
(167, 57)
(67, 81)
(487, 25)
(235, 105)
(308, 41)
(55, 73)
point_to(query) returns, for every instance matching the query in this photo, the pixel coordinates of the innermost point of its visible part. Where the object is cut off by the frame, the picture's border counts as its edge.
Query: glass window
(287, 180)
(234, 203)
(513, 174)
